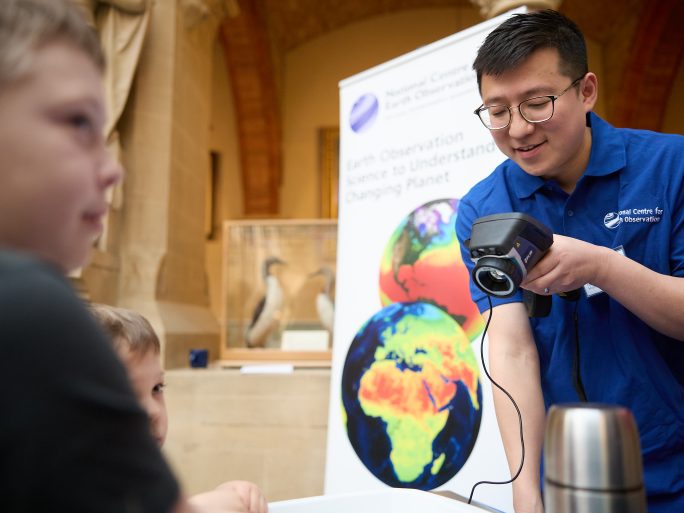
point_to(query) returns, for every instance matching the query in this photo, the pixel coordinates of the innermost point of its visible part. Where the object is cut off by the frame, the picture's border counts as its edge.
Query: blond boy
(138, 346)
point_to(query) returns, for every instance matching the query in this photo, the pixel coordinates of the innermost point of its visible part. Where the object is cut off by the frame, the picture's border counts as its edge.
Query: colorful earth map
(422, 262)
(411, 395)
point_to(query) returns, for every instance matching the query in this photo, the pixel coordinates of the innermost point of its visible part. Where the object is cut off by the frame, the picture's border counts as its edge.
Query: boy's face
(558, 148)
(147, 378)
(54, 169)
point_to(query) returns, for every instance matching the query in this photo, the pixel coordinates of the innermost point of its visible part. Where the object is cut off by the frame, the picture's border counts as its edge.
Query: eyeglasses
(533, 110)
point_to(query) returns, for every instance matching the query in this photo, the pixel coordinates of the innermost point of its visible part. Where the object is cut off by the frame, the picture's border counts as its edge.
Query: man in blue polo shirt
(614, 199)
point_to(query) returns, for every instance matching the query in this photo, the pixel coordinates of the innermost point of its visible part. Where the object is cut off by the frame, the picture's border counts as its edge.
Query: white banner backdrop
(405, 411)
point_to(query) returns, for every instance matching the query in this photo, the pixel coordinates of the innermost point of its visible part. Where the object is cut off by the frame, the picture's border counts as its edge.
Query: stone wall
(268, 429)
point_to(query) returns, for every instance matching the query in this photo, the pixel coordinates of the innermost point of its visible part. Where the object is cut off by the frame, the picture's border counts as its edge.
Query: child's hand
(231, 497)
(252, 498)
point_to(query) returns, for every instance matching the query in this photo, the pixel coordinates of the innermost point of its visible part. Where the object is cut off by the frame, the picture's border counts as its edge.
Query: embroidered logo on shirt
(612, 220)
(632, 215)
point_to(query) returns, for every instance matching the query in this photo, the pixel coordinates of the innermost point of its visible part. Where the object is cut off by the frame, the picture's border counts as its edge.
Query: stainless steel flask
(592, 460)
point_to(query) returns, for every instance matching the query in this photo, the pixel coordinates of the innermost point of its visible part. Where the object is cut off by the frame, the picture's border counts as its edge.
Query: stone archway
(246, 45)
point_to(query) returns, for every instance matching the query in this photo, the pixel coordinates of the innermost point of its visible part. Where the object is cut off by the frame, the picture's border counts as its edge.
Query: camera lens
(497, 276)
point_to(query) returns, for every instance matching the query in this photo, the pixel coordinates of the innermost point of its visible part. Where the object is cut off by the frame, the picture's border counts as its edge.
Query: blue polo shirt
(631, 196)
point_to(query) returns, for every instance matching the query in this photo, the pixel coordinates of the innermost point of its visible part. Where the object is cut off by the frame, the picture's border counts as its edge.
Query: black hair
(519, 36)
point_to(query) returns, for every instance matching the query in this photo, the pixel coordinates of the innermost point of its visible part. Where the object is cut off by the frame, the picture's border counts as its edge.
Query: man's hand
(568, 265)
(657, 299)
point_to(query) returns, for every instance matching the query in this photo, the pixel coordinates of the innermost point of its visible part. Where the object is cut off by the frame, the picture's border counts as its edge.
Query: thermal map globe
(422, 262)
(411, 395)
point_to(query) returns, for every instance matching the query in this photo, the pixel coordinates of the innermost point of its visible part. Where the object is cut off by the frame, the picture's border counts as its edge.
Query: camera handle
(540, 306)
(571, 295)
(536, 304)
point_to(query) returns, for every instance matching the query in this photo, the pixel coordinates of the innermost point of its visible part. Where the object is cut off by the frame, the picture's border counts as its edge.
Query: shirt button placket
(568, 220)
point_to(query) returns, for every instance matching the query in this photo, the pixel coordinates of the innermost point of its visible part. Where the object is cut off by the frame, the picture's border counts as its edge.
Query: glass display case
(278, 289)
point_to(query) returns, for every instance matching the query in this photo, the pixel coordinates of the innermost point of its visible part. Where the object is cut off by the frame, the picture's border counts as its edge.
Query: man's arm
(655, 298)
(514, 364)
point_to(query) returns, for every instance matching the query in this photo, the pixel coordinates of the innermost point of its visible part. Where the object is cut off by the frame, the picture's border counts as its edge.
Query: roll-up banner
(410, 405)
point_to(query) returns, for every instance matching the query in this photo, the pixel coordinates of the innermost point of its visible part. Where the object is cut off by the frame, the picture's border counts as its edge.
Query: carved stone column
(166, 135)
(491, 8)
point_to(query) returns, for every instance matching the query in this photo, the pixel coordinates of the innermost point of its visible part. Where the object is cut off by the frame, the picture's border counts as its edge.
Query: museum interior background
(230, 109)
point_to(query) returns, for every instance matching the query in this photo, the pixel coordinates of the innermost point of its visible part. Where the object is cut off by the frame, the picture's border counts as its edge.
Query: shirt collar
(607, 156)
(608, 153)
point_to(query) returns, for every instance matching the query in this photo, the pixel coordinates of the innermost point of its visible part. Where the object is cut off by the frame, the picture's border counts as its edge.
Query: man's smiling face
(555, 149)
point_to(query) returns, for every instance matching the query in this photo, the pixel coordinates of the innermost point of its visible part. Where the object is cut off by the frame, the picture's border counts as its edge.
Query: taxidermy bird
(325, 307)
(268, 310)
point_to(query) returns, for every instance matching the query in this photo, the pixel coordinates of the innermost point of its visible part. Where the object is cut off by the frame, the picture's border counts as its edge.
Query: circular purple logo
(363, 113)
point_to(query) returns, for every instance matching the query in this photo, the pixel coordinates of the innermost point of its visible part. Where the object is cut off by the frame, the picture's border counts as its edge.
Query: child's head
(138, 346)
(27, 26)
(55, 169)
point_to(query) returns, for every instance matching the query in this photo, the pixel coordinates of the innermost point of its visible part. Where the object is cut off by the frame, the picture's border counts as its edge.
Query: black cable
(515, 405)
(576, 372)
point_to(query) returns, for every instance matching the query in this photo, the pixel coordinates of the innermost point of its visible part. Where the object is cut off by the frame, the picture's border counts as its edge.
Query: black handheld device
(505, 247)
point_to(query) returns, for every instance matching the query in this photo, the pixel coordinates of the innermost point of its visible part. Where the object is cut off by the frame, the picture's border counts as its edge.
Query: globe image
(422, 262)
(411, 396)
